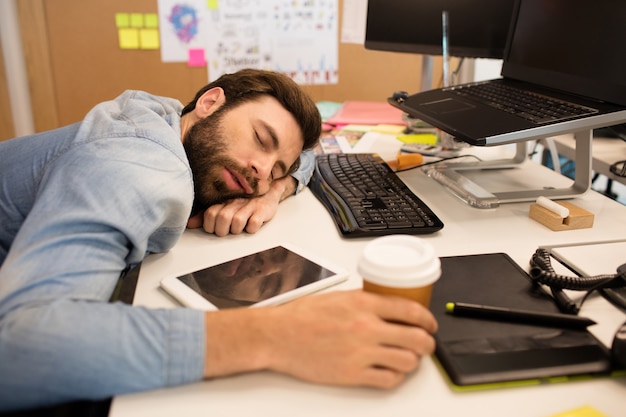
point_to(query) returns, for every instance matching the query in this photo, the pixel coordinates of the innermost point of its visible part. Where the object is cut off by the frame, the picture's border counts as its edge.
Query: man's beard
(206, 149)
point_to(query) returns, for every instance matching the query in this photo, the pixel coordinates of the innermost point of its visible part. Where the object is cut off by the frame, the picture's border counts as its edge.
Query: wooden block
(578, 218)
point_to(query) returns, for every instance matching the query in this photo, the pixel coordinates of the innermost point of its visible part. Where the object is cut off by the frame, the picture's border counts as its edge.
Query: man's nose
(262, 169)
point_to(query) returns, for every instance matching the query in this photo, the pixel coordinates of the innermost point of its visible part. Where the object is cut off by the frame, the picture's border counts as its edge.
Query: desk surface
(304, 221)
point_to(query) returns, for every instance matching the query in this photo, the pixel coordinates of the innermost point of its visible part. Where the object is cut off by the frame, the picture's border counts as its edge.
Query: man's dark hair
(250, 84)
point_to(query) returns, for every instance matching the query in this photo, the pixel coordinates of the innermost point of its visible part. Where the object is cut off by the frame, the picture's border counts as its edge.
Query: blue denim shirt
(77, 205)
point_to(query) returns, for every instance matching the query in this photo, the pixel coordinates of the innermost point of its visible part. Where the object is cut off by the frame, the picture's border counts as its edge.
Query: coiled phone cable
(542, 272)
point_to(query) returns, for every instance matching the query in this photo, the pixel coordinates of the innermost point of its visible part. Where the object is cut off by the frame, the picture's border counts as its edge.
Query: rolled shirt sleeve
(305, 171)
(90, 208)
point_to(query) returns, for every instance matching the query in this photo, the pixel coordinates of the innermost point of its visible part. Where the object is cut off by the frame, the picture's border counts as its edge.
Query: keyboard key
(531, 106)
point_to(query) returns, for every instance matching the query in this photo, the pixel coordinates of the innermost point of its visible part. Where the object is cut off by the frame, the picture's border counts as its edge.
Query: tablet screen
(251, 279)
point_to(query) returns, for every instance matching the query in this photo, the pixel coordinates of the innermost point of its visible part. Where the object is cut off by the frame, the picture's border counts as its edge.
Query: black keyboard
(366, 198)
(531, 106)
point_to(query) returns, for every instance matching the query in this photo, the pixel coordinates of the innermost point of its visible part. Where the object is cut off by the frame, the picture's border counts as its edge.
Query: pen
(519, 316)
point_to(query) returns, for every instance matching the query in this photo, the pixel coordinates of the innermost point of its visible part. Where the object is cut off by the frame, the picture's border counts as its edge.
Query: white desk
(304, 221)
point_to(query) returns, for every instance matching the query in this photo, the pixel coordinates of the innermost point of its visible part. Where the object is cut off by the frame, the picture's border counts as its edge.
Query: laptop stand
(450, 175)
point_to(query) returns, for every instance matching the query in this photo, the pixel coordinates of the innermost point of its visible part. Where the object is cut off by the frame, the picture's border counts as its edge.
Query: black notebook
(478, 351)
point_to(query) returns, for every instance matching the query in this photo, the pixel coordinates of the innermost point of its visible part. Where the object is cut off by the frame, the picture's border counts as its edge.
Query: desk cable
(542, 272)
(618, 168)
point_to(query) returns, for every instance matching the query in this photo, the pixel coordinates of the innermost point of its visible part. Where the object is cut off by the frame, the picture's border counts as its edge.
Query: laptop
(570, 52)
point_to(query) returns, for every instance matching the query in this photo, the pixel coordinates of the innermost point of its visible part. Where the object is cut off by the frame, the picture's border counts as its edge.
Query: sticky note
(425, 138)
(128, 38)
(195, 57)
(584, 411)
(151, 20)
(212, 4)
(136, 20)
(356, 128)
(390, 129)
(149, 38)
(122, 20)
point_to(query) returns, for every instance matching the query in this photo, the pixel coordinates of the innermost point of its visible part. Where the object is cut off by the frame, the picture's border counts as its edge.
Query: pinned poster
(299, 39)
(184, 27)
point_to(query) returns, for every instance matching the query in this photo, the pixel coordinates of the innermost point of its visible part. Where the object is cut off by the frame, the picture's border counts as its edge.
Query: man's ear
(210, 101)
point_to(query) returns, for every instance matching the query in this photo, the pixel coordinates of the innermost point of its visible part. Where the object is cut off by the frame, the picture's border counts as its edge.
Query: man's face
(238, 152)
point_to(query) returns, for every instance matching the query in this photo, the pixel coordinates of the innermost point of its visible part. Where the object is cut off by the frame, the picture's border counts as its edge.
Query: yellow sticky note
(584, 411)
(136, 20)
(128, 38)
(149, 38)
(425, 138)
(150, 20)
(122, 20)
(212, 4)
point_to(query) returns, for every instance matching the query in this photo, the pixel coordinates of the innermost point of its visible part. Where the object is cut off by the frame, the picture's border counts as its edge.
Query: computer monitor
(477, 28)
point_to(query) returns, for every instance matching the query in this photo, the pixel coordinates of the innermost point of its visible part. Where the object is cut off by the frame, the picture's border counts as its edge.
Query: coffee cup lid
(400, 261)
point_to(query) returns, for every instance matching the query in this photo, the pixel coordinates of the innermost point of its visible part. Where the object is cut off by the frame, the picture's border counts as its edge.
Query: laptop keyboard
(531, 106)
(366, 198)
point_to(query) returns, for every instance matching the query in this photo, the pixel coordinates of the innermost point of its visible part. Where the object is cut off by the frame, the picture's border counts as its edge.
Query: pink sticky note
(196, 57)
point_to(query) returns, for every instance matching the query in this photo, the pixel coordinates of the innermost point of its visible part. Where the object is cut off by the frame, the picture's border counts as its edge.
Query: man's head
(245, 130)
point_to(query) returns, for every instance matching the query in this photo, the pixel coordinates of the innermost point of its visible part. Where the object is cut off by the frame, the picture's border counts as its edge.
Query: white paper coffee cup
(401, 265)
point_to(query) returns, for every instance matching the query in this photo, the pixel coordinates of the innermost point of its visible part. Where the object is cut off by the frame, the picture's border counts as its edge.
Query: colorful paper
(196, 57)
(128, 38)
(149, 39)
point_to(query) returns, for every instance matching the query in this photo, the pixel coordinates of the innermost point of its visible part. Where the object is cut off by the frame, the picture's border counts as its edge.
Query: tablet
(268, 277)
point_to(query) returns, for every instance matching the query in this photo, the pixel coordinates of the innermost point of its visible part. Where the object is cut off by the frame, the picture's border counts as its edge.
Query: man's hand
(237, 215)
(340, 338)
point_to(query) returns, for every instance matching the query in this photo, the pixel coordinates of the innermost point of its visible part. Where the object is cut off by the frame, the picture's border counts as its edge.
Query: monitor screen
(577, 49)
(477, 28)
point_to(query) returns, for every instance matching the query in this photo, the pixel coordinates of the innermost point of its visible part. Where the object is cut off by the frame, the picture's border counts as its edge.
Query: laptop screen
(578, 46)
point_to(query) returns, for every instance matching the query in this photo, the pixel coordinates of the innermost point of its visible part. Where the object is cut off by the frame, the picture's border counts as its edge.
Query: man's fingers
(383, 378)
(218, 218)
(232, 217)
(396, 309)
(195, 221)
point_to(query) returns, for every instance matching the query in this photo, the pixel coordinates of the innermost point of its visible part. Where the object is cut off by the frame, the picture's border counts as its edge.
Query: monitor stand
(426, 82)
(449, 175)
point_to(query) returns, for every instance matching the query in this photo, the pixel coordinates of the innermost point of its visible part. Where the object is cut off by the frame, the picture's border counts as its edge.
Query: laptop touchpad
(447, 105)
